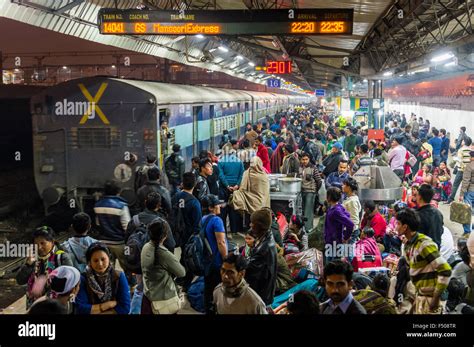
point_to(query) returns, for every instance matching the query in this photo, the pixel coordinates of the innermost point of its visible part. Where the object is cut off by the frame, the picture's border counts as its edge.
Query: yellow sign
(93, 103)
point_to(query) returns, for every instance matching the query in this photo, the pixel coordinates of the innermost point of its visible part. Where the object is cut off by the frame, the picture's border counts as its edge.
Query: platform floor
(19, 306)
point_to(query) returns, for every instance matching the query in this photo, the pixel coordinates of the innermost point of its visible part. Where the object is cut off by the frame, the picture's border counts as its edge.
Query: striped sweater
(429, 271)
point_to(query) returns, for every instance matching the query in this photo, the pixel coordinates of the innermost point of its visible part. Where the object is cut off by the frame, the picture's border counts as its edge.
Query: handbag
(460, 212)
(170, 306)
(411, 160)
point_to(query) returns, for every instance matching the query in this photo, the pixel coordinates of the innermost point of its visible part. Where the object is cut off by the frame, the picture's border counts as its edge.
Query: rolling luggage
(365, 261)
(460, 212)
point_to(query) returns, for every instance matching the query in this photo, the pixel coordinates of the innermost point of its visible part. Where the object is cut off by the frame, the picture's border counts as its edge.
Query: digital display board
(226, 22)
(278, 67)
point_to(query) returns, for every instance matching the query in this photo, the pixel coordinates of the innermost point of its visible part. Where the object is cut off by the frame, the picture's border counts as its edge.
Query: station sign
(315, 21)
(273, 83)
(320, 92)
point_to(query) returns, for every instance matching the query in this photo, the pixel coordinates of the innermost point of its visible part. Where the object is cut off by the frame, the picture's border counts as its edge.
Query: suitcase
(374, 271)
(365, 261)
(460, 212)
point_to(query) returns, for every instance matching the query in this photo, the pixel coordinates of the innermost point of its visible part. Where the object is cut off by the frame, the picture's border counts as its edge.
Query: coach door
(197, 117)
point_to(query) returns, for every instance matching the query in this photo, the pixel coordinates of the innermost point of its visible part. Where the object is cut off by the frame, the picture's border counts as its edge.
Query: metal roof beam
(69, 6)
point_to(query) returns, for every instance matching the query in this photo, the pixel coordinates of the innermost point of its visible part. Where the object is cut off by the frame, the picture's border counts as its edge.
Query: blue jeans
(136, 304)
(436, 160)
(468, 199)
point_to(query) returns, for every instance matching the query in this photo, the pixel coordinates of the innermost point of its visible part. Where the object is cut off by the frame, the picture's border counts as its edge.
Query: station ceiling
(388, 36)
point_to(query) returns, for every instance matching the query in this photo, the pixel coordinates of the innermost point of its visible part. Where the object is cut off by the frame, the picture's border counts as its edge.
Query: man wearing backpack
(141, 172)
(151, 212)
(174, 168)
(186, 219)
(153, 185)
(137, 233)
(77, 245)
(214, 232)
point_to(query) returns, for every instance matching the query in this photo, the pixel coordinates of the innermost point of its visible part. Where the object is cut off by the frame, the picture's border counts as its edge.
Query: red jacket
(377, 223)
(262, 153)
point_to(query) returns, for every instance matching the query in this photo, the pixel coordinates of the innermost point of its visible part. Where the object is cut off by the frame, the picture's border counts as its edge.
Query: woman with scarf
(291, 163)
(103, 289)
(254, 191)
(160, 268)
(277, 158)
(444, 176)
(37, 268)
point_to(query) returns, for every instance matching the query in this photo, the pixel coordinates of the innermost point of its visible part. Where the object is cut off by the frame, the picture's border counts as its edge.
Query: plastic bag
(311, 259)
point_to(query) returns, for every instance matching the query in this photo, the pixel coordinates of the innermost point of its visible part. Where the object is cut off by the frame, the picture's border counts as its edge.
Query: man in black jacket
(431, 219)
(331, 162)
(174, 167)
(311, 148)
(151, 212)
(153, 185)
(262, 270)
(338, 282)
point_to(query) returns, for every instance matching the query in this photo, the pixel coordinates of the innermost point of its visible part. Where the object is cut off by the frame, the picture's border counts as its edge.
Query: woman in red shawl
(262, 153)
(277, 158)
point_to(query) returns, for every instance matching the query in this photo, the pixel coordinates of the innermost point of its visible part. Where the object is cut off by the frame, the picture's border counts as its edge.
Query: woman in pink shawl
(277, 158)
(367, 245)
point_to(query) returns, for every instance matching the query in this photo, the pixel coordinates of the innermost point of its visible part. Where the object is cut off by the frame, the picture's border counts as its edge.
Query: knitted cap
(262, 218)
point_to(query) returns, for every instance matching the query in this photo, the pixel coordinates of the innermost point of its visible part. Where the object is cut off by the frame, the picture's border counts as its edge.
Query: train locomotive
(89, 130)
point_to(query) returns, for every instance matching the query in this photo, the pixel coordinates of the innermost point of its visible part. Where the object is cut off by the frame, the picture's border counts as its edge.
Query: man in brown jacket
(252, 135)
(467, 188)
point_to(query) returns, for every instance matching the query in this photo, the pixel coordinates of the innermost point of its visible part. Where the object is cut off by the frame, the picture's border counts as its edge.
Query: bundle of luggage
(306, 264)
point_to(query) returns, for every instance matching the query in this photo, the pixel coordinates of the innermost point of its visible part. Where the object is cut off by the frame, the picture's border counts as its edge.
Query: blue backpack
(196, 295)
(197, 251)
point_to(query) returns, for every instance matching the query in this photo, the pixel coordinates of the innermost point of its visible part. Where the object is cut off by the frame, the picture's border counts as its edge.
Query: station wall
(449, 119)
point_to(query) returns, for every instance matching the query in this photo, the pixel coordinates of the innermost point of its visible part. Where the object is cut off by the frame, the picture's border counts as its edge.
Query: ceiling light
(64, 67)
(223, 49)
(442, 57)
(199, 36)
(388, 73)
(239, 57)
(251, 64)
(452, 63)
(365, 80)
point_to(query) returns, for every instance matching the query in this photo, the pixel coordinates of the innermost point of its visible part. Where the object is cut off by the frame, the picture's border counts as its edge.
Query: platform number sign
(320, 92)
(273, 83)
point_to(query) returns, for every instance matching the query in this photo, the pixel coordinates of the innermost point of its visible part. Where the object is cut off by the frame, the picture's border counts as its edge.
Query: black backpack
(197, 253)
(171, 167)
(134, 245)
(177, 224)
